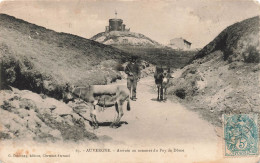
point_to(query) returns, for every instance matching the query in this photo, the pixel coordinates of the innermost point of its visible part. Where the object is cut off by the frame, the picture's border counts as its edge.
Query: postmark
(240, 135)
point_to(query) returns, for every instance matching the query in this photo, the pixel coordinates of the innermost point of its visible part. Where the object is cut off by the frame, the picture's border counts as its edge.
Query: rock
(53, 107)
(27, 104)
(31, 119)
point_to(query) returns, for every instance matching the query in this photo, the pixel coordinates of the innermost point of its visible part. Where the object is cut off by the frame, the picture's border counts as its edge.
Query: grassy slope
(224, 77)
(153, 53)
(236, 41)
(161, 56)
(42, 60)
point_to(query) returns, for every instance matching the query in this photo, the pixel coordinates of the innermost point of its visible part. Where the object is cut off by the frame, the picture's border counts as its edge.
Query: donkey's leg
(158, 90)
(95, 112)
(93, 115)
(165, 93)
(161, 93)
(96, 122)
(117, 111)
(120, 112)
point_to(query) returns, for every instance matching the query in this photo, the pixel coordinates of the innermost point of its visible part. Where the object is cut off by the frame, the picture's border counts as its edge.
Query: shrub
(251, 55)
(181, 93)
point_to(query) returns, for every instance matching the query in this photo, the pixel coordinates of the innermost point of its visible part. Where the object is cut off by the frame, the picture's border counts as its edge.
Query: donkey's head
(165, 72)
(165, 76)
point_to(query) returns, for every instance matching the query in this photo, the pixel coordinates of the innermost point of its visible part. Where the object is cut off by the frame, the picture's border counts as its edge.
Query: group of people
(161, 75)
(133, 72)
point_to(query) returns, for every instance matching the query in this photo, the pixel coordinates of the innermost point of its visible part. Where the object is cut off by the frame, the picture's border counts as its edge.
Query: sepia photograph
(129, 81)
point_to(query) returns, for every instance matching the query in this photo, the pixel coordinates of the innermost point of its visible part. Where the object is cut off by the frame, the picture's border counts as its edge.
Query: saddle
(106, 100)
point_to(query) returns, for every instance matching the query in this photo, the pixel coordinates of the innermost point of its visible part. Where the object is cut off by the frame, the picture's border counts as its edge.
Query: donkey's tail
(128, 107)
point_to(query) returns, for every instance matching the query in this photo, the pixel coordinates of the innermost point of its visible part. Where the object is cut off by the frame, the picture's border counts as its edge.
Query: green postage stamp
(240, 135)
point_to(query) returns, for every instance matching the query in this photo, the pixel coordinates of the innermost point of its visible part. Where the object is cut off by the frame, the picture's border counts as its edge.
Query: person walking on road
(133, 76)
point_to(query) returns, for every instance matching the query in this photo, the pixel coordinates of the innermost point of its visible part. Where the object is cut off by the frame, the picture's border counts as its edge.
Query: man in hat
(133, 75)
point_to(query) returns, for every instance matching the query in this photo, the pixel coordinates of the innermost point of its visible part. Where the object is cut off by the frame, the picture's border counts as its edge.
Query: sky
(198, 21)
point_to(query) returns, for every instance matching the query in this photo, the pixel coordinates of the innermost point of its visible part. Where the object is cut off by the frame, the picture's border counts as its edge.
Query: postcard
(129, 81)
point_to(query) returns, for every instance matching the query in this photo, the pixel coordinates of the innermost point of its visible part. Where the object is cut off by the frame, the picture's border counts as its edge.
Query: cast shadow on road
(155, 99)
(105, 124)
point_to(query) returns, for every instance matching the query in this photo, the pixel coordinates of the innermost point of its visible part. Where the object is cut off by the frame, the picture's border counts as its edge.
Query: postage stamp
(240, 135)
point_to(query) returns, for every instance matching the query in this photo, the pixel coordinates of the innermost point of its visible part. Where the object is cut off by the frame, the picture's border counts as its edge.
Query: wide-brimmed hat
(134, 58)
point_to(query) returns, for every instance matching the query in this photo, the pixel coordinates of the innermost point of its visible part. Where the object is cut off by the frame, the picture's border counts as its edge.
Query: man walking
(133, 75)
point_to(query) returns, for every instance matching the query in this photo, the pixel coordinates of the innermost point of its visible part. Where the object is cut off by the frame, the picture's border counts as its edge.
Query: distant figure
(66, 94)
(133, 75)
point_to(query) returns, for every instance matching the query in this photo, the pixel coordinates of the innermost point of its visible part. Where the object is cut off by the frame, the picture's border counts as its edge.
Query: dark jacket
(133, 70)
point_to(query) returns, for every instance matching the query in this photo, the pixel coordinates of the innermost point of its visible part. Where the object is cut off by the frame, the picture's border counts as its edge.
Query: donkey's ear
(73, 88)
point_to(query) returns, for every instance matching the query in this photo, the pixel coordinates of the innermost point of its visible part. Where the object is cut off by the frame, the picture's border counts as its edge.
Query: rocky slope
(25, 115)
(42, 60)
(224, 75)
(36, 65)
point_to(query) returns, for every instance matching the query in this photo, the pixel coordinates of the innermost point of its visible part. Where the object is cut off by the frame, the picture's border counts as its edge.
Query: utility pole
(116, 13)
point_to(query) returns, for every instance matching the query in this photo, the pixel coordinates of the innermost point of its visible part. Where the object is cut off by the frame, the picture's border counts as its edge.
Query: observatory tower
(116, 25)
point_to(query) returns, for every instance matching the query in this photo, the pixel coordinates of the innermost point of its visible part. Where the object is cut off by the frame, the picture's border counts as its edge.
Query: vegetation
(238, 42)
(42, 60)
(161, 55)
(223, 78)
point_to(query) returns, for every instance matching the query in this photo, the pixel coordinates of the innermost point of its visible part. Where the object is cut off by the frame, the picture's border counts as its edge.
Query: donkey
(162, 77)
(118, 93)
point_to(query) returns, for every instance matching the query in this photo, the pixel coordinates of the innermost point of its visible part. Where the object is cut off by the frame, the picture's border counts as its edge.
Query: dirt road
(161, 124)
(151, 132)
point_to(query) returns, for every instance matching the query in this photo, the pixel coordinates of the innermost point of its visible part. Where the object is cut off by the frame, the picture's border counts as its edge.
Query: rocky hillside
(238, 42)
(36, 65)
(124, 38)
(39, 118)
(42, 60)
(224, 75)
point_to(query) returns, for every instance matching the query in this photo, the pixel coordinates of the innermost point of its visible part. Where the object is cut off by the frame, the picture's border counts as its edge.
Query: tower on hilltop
(116, 24)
